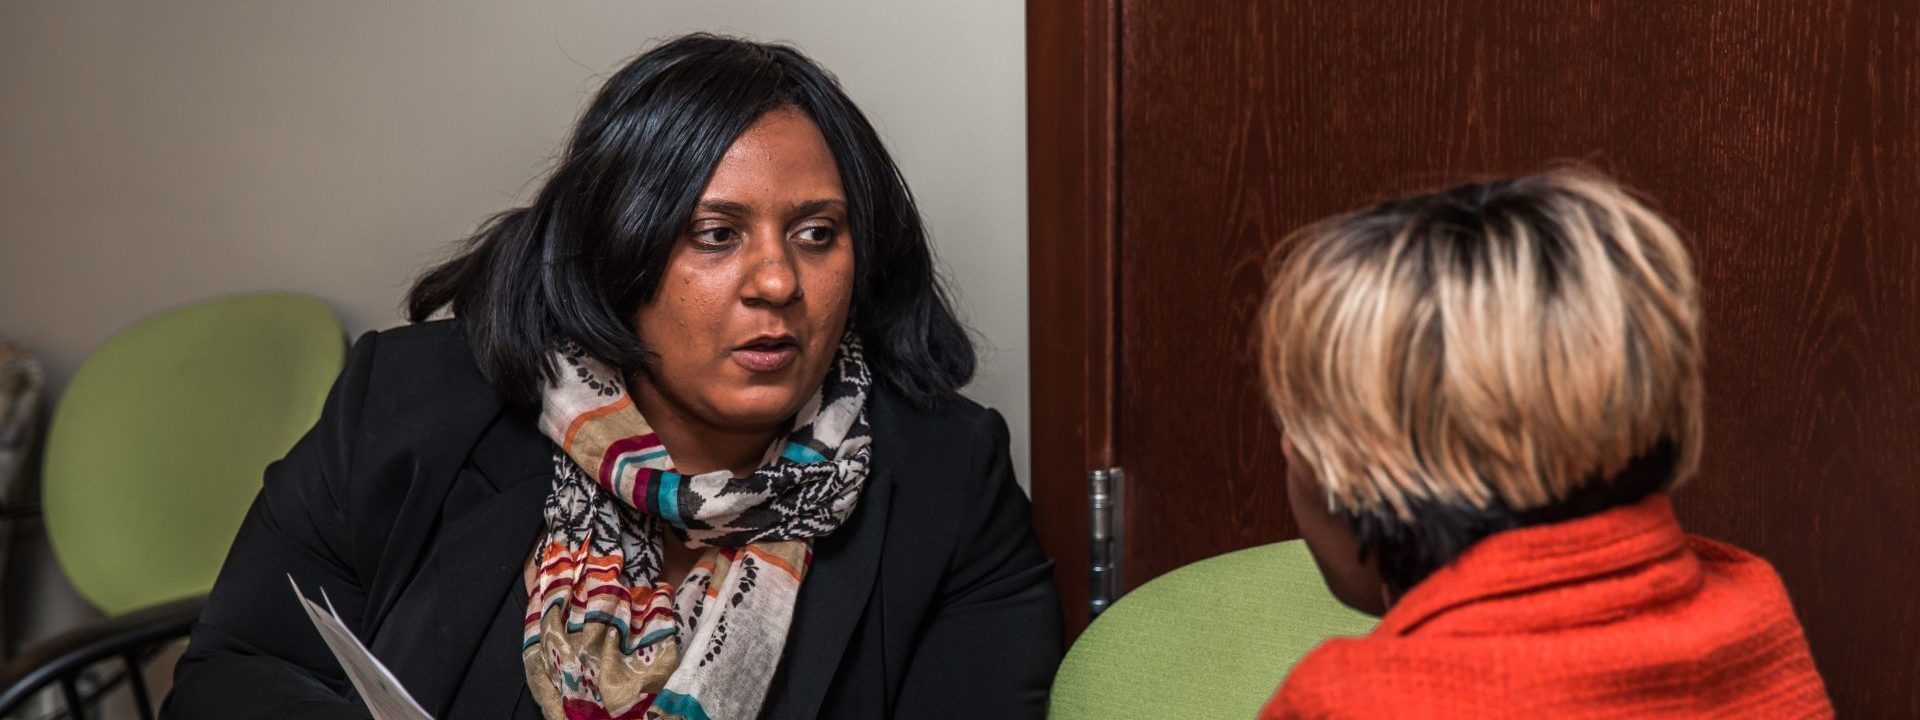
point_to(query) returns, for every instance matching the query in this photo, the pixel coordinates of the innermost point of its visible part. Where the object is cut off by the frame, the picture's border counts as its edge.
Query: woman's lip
(766, 359)
(769, 339)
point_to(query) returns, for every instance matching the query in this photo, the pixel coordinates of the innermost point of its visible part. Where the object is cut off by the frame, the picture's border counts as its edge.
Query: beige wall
(160, 152)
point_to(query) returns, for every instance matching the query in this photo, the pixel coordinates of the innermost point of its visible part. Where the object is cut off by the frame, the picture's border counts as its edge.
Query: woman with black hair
(689, 447)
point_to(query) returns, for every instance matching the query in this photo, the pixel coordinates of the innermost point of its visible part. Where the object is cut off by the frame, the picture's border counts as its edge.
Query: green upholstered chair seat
(158, 444)
(1210, 640)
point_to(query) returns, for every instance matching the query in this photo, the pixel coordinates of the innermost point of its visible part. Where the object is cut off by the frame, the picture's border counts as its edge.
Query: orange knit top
(1615, 615)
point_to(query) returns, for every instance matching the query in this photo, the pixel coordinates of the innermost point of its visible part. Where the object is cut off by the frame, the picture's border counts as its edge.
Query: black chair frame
(131, 639)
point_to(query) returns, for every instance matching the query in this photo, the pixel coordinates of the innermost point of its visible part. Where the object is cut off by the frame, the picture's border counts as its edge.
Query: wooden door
(1173, 142)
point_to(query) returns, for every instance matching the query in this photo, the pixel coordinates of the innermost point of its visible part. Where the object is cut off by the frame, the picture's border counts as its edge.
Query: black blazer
(416, 499)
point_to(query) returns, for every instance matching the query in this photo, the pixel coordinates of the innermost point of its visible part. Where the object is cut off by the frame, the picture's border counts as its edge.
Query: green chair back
(1210, 640)
(158, 444)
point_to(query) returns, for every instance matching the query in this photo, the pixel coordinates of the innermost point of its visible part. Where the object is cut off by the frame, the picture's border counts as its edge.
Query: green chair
(1210, 640)
(155, 452)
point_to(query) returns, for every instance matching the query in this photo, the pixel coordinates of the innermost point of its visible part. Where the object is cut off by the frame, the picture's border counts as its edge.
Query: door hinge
(1105, 493)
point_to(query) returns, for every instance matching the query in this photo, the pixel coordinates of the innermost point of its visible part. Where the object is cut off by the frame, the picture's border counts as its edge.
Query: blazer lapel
(470, 572)
(434, 467)
(833, 597)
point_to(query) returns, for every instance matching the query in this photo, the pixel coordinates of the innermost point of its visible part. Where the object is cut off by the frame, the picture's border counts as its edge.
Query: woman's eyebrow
(725, 207)
(810, 207)
(736, 208)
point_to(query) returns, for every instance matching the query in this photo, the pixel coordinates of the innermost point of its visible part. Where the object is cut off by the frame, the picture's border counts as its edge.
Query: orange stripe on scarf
(585, 417)
(770, 559)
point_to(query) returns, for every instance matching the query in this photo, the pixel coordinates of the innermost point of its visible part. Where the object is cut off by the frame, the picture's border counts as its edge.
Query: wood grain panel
(1071, 186)
(1782, 136)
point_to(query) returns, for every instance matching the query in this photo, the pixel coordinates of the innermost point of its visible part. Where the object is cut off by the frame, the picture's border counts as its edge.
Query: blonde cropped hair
(1500, 343)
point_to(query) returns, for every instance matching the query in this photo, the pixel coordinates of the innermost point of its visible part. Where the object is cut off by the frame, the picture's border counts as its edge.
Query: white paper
(378, 688)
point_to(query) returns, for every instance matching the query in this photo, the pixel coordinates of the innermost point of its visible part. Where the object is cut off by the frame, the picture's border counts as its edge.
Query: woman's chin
(756, 409)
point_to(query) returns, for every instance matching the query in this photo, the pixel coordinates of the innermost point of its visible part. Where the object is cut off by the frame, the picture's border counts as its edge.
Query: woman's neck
(697, 446)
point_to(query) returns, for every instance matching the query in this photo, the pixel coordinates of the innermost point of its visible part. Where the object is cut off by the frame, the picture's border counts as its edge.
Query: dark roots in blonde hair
(1410, 551)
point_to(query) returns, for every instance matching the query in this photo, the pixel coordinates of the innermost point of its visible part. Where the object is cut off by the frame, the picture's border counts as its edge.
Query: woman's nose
(772, 279)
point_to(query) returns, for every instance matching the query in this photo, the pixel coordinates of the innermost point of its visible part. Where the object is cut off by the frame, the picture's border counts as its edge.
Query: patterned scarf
(606, 636)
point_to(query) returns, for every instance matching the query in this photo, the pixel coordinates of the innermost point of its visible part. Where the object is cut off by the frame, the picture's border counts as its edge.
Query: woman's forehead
(778, 162)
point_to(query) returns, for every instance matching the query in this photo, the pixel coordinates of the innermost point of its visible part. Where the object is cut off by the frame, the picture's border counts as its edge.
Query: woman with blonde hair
(1487, 394)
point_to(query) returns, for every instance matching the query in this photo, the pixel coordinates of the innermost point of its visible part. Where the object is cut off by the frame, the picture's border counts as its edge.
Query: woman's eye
(716, 236)
(817, 235)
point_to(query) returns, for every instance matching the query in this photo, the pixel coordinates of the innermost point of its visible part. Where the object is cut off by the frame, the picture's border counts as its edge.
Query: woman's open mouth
(767, 353)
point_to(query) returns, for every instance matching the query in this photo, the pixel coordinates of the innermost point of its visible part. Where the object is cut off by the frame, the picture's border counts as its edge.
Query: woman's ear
(1331, 540)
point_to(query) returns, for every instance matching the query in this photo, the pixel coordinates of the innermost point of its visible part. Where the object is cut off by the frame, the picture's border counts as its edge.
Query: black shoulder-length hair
(577, 263)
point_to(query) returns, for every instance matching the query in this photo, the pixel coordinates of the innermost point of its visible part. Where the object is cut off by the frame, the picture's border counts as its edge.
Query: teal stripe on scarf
(620, 467)
(674, 703)
(628, 644)
(666, 499)
(802, 454)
